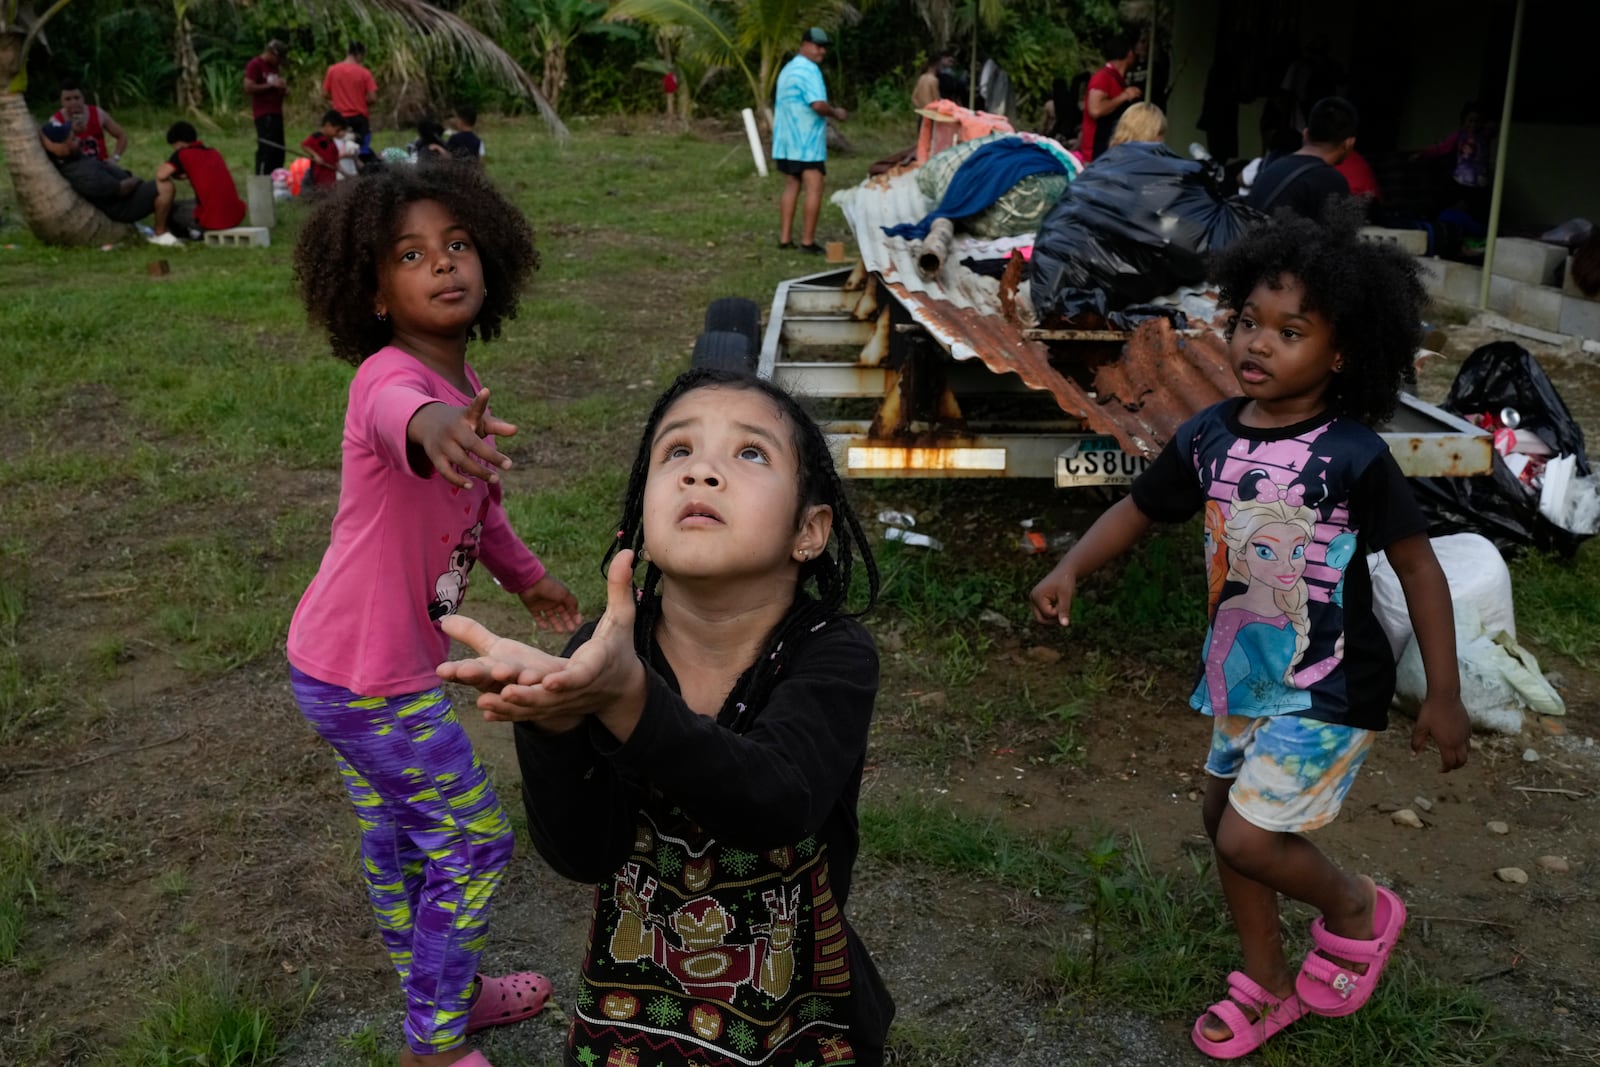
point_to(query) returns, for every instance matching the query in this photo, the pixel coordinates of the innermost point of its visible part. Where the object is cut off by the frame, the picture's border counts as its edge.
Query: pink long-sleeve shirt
(402, 545)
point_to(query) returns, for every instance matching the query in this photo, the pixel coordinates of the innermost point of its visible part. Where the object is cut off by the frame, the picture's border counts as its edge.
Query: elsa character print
(1259, 636)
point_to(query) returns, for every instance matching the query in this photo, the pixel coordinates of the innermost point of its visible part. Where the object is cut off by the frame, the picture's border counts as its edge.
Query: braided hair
(1370, 293)
(830, 573)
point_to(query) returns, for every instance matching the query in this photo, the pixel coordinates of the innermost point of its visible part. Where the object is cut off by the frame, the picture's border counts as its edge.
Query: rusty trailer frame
(938, 377)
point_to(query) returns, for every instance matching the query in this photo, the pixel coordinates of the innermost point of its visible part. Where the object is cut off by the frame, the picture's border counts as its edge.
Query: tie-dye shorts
(1289, 773)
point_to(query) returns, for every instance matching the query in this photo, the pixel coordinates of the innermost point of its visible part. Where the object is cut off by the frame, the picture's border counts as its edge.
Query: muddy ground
(223, 784)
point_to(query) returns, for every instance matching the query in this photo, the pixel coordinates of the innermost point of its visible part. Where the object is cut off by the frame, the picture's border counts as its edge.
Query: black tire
(723, 350)
(735, 314)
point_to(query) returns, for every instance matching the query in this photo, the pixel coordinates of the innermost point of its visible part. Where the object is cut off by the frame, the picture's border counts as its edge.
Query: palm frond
(713, 36)
(442, 33)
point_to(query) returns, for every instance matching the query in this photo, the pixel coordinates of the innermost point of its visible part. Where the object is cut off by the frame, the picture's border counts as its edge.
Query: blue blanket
(984, 178)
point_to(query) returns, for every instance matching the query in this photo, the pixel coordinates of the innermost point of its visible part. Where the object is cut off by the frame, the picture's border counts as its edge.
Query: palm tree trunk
(189, 91)
(555, 75)
(55, 214)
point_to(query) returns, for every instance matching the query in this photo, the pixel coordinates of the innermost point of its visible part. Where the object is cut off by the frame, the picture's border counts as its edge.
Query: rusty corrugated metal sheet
(1137, 393)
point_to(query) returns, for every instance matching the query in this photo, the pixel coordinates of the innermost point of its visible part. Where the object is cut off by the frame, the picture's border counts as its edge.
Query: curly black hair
(819, 483)
(336, 259)
(1370, 292)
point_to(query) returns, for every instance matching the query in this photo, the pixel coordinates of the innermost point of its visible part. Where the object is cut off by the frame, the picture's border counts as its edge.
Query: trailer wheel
(723, 350)
(735, 314)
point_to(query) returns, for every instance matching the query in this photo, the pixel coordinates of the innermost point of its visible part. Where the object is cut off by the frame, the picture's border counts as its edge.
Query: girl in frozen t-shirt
(1297, 675)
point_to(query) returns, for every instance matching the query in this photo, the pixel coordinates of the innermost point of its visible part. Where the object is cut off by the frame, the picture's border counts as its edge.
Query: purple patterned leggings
(434, 842)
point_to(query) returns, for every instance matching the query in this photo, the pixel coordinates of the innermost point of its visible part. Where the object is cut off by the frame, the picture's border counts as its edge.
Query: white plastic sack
(1499, 678)
(1569, 499)
(1476, 573)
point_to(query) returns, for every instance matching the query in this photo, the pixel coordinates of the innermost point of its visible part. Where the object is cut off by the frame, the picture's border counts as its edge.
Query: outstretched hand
(552, 605)
(518, 683)
(453, 440)
(1444, 720)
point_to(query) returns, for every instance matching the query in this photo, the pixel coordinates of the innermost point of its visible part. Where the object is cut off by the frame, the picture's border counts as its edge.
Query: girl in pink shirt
(403, 268)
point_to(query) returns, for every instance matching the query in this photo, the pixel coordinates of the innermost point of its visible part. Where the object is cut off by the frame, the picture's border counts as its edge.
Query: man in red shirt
(216, 204)
(264, 85)
(1108, 91)
(90, 125)
(350, 89)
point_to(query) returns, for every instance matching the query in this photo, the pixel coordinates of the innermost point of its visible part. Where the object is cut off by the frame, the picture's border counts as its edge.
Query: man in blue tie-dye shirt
(800, 138)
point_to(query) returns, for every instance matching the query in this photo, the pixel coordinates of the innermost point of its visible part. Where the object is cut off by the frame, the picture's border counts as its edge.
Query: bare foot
(1355, 924)
(1214, 1029)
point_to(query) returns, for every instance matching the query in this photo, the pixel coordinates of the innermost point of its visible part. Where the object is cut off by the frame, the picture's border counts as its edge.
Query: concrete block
(1536, 305)
(1501, 290)
(1524, 260)
(1414, 242)
(1580, 317)
(1461, 282)
(1432, 274)
(240, 236)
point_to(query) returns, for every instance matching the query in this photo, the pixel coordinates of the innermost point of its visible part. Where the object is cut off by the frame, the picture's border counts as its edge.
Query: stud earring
(805, 554)
(380, 316)
(644, 554)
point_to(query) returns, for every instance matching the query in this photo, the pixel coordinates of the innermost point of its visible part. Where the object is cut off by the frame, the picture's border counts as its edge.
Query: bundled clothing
(986, 176)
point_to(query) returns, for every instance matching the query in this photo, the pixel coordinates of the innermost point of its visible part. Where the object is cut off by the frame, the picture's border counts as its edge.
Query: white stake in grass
(755, 142)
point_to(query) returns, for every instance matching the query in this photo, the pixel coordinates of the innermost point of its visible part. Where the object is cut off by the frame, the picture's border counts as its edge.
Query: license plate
(1096, 461)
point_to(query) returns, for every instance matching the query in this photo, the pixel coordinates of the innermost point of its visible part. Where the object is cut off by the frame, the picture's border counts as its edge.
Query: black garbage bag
(1137, 223)
(1498, 506)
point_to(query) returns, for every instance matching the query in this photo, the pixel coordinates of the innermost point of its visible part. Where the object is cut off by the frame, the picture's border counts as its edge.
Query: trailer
(942, 376)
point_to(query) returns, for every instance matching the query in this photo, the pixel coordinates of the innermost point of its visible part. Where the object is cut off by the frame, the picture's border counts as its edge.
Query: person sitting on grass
(322, 145)
(120, 196)
(216, 204)
(464, 141)
(91, 124)
(1297, 674)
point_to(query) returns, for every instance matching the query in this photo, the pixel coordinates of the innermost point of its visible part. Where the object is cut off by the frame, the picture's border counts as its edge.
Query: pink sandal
(508, 1000)
(1328, 988)
(1246, 999)
(476, 1059)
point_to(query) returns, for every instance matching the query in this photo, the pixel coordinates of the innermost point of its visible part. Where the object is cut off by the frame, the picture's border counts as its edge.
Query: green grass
(213, 1015)
(1555, 601)
(30, 850)
(30, 689)
(19, 892)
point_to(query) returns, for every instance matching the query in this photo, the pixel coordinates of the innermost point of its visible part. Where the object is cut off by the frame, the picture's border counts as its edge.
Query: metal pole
(1500, 156)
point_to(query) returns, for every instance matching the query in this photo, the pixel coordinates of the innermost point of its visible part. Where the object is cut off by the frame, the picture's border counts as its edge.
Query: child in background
(1296, 673)
(429, 147)
(403, 268)
(698, 757)
(464, 143)
(322, 145)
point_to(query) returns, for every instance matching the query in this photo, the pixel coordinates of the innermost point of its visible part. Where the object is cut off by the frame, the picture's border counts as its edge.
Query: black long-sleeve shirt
(722, 850)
